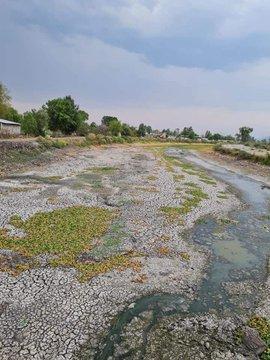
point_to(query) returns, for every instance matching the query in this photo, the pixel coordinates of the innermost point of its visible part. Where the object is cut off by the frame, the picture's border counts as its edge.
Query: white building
(10, 127)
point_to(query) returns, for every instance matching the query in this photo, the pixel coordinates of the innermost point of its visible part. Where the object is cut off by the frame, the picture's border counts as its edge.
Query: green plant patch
(68, 230)
(174, 212)
(185, 256)
(110, 241)
(152, 177)
(103, 169)
(65, 233)
(191, 184)
(220, 196)
(262, 325)
(208, 181)
(177, 177)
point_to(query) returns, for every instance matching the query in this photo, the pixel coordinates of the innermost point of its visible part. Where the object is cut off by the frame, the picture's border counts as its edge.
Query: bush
(48, 143)
(83, 129)
(45, 142)
(101, 139)
(59, 144)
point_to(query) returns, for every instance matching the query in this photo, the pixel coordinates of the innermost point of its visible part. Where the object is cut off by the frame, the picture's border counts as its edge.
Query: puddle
(234, 252)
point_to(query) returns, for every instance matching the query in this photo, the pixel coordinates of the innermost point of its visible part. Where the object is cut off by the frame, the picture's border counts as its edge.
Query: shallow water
(239, 248)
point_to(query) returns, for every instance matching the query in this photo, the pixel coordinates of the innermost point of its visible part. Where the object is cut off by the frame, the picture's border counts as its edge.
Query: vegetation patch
(174, 212)
(262, 325)
(110, 241)
(191, 184)
(171, 212)
(147, 188)
(65, 233)
(152, 177)
(103, 169)
(208, 181)
(177, 177)
(164, 251)
(185, 256)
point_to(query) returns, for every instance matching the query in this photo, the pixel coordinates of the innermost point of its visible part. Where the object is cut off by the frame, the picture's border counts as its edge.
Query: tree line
(62, 116)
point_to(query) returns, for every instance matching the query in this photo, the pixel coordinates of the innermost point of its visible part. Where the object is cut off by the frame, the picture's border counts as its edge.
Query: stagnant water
(239, 247)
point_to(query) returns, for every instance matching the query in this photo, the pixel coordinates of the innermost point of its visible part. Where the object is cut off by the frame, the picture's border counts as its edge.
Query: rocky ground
(46, 312)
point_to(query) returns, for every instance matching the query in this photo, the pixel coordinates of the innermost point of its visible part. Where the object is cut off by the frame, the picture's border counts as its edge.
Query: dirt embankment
(256, 171)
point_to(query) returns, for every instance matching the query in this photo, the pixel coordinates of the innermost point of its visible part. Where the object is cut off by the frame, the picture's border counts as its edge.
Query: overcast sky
(170, 63)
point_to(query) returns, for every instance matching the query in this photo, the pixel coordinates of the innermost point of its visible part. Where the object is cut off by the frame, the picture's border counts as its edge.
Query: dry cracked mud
(50, 309)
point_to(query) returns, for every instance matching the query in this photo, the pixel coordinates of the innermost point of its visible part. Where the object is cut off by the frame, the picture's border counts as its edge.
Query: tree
(208, 135)
(189, 133)
(115, 127)
(106, 120)
(217, 137)
(126, 130)
(93, 127)
(83, 129)
(64, 115)
(142, 130)
(35, 122)
(148, 129)
(244, 134)
(13, 115)
(4, 100)
(29, 123)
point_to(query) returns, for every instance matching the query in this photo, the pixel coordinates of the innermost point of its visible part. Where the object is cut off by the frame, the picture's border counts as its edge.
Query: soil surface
(48, 312)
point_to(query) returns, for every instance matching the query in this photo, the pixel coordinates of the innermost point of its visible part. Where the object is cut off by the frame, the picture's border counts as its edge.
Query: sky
(168, 63)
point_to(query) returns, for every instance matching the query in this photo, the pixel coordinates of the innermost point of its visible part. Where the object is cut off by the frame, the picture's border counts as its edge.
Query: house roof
(2, 121)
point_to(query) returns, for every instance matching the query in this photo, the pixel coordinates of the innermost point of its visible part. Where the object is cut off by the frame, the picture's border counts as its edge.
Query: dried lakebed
(160, 242)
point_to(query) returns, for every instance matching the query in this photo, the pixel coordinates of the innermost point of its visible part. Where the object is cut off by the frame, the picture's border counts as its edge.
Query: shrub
(59, 144)
(83, 129)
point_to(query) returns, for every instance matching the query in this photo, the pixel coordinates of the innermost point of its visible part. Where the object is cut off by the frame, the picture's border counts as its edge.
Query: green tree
(13, 115)
(142, 130)
(106, 120)
(64, 115)
(208, 135)
(93, 127)
(126, 130)
(35, 122)
(189, 133)
(29, 123)
(5, 100)
(217, 137)
(115, 127)
(244, 134)
(148, 129)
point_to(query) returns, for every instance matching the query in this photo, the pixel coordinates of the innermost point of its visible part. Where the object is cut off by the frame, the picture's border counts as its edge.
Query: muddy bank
(246, 167)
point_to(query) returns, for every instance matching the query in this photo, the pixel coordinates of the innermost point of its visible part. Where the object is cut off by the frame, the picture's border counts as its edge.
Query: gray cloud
(39, 63)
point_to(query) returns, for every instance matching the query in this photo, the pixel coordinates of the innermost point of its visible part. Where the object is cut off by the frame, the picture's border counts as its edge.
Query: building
(10, 127)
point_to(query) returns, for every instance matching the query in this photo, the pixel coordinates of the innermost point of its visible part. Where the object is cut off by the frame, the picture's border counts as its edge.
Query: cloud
(210, 34)
(39, 64)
